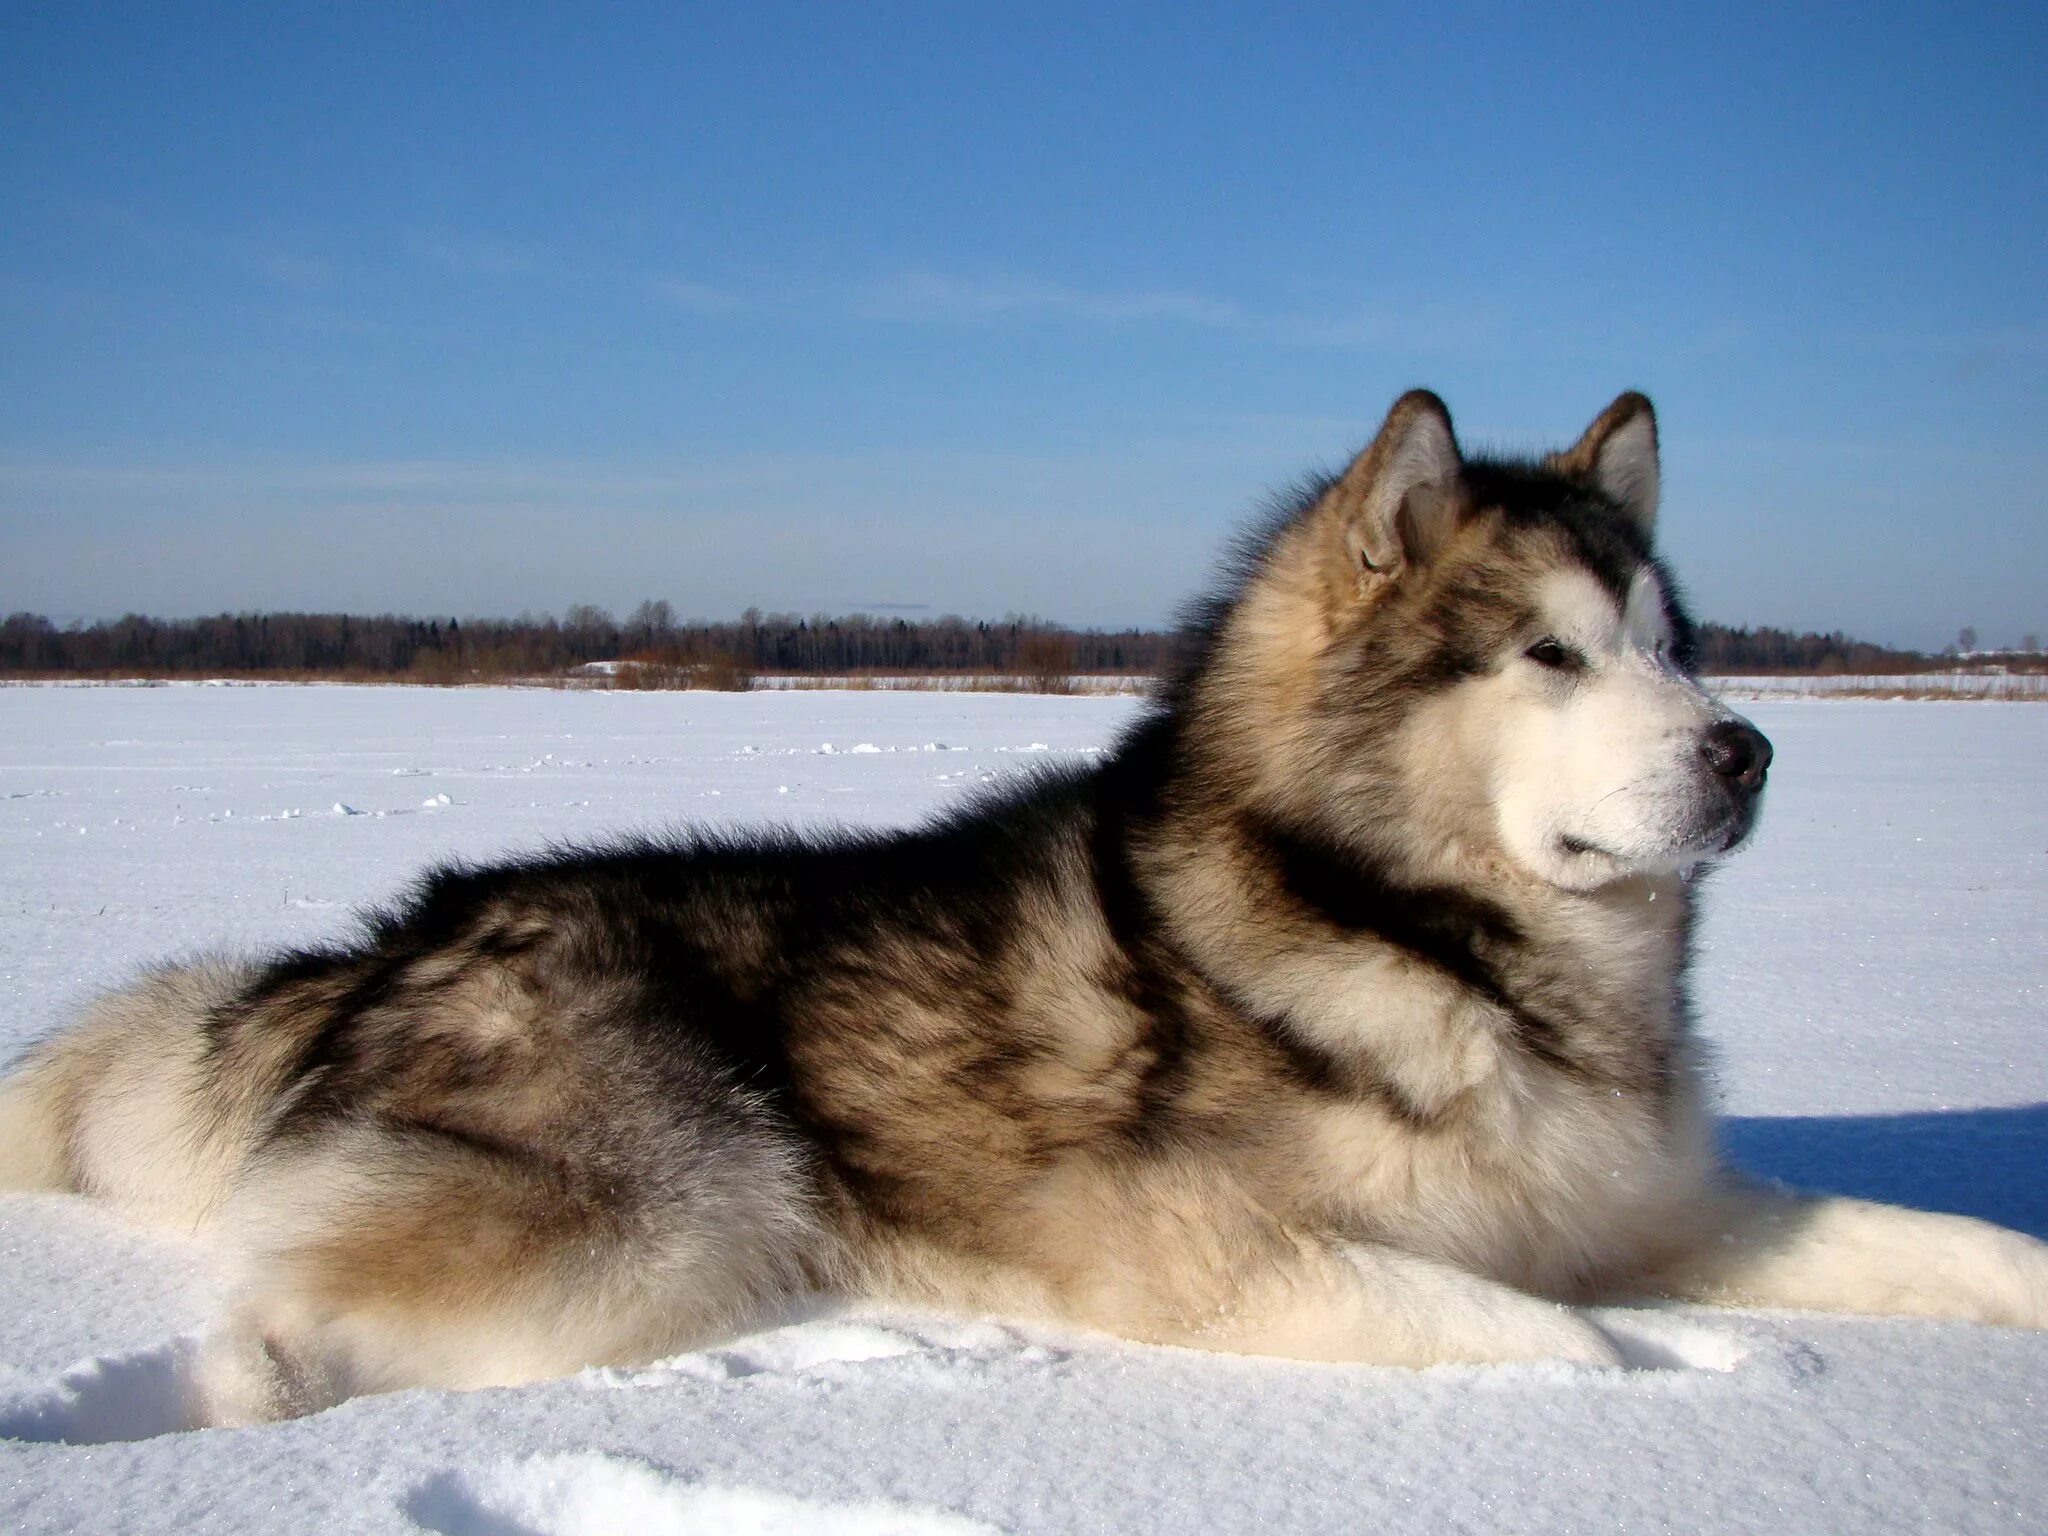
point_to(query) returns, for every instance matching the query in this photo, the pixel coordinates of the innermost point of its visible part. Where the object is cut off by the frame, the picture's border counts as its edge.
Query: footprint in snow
(592, 1495)
(811, 1347)
(107, 1398)
(149, 1392)
(144, 1393)
(1652, 1340)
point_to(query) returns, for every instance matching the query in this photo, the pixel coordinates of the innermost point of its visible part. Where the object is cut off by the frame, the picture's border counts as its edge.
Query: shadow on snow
(1991, 1163)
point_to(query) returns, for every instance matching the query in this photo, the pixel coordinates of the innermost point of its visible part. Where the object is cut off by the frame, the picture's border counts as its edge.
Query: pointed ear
(1618, 458)
(1399, 499)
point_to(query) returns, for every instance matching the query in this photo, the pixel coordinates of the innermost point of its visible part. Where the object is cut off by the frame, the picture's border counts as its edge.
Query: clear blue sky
(482, 308)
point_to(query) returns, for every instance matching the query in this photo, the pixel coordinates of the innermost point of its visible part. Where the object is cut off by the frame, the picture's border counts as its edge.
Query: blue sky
(477, 309)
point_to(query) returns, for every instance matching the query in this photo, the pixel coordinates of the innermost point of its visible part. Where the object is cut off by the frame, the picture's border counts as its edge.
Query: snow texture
(1873, 974)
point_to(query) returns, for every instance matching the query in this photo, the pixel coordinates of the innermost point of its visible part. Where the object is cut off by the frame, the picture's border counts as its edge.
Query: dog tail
(128, 1105)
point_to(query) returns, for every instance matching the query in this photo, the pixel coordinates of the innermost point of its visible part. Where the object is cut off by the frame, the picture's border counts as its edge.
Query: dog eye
(1553, 654)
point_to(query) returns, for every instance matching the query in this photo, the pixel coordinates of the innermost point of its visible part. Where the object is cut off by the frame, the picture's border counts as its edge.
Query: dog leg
(1368, 1303)
(1761, 1247)
(1167, 1253)
(1346, 1302)
(375, 1258)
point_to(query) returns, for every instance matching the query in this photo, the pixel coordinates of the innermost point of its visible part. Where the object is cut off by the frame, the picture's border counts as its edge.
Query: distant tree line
(454, 650)
(447, 650)
(1749, 651)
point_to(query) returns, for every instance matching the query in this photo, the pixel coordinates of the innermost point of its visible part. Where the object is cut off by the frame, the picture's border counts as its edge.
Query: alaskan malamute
(1339, 1014)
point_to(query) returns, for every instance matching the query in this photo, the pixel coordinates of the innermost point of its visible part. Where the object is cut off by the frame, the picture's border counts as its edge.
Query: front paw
(2005, 1275)
(1511, 1327)
(1574, 1340)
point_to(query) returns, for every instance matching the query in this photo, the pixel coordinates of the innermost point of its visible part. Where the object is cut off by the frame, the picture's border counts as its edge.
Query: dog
(1340, 1013)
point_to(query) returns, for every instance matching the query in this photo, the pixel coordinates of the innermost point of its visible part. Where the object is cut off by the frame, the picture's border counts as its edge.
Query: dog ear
(1400, 498)
(1618, 458)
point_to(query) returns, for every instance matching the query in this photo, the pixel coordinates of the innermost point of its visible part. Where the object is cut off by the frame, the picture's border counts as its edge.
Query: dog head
(1482, 658)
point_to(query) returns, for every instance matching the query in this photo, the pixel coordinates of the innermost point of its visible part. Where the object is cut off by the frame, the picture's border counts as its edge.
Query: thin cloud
(696, 298)
(46, 297)
(449, 480)
(936, 296)
(929, 297)
(572, 483)
(468, 254)
(263, 258)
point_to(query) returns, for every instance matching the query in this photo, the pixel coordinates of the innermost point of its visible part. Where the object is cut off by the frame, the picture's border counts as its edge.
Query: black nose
(1738, 752)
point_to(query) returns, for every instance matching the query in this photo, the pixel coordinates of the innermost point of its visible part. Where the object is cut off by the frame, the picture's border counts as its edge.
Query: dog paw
(1520, 1330)
(108, 1398)
(1930, 1264)
(1830, 1254)
(1568, 1338)
(592, 1495)
(2007, 1274)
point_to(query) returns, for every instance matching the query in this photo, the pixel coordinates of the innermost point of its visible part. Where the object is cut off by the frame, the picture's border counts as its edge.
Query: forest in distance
(667, 651)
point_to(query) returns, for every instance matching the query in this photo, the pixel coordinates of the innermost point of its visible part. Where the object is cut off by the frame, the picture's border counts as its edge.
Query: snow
(1982, 683)
(1873, 973)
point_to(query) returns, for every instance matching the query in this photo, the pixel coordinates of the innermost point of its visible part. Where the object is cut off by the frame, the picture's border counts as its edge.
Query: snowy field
(1874, 975)
(2028, 687)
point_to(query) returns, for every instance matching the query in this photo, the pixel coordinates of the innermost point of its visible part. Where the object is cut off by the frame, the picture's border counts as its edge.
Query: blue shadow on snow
(1991, 1163)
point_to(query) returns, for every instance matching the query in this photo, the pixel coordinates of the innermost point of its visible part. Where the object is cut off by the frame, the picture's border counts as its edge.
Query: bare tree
(653, 624)
(1966, 639)
(589, 631)
(1046, 658)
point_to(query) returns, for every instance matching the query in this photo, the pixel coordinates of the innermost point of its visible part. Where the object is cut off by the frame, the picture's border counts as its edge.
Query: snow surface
(1873, 972)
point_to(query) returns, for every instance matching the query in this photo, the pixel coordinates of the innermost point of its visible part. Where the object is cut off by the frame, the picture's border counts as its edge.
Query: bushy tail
(125, 1104)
